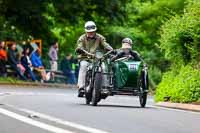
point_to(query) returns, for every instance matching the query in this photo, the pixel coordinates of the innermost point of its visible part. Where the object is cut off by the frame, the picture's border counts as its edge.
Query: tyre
(143, 99)
(143, 89)
(96, 93)
(88, 88)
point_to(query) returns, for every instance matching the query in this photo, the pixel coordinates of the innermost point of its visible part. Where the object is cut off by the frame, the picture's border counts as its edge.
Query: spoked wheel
(143, 89)
(96, 93)
(88, 88)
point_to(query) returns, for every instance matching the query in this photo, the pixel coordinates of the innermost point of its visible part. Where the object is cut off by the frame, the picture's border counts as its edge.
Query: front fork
(98, 68)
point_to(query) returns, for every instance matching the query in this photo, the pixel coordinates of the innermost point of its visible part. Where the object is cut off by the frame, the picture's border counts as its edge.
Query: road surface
(58, 110)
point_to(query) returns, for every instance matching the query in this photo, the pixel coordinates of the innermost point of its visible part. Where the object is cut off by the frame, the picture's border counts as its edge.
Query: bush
(180, 40)
(183, 87)
(155, 76)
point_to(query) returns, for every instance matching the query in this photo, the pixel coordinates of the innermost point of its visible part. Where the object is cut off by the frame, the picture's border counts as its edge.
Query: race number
(133, 67)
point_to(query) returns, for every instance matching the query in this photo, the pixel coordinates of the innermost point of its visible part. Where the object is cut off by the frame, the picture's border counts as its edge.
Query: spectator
(19, 56)
(76, 67)
(26, 62)
(14, 62)
(66, 67)
(38, 65)
(3, 59)
(53, 56)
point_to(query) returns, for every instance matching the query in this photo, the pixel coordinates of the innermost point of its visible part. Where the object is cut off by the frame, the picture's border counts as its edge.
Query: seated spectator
(14, 62)
(66, 67)
(38, 65)
(19, 56)
(26, 62)
(3, 59)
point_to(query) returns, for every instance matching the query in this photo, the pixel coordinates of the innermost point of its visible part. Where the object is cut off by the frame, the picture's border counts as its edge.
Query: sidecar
(131, 78)
(124, 76)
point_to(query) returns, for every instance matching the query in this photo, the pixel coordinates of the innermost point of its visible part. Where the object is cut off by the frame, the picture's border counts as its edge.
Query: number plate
(133, 67)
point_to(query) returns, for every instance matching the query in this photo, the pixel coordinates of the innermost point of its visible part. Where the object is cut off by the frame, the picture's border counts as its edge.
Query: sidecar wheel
(143, 89)
(143, 99)
(96, 93)
(87, 101)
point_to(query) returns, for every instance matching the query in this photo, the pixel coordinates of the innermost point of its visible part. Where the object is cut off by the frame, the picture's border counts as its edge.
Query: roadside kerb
(182, 106)
(40, 85)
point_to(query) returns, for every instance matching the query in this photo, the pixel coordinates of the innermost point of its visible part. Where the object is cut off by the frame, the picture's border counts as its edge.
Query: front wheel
(96, 93)
(88, 87)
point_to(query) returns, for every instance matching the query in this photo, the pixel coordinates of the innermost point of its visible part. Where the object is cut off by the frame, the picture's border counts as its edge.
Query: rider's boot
(81, 92)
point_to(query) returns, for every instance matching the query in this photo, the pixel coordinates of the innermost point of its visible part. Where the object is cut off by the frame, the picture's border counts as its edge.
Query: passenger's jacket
(36, 60)
(133, 54)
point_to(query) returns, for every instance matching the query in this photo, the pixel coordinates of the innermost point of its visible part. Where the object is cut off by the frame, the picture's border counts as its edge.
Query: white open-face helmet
(127, 43)
(90, 26)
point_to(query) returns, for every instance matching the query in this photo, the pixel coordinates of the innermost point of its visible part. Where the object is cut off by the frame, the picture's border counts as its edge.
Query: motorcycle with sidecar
(124, 76)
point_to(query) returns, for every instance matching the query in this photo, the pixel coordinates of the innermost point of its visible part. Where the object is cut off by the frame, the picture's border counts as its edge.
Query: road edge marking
(58, 120)
(64, 122)
(182, 106)
(173, 109)
(33, 122)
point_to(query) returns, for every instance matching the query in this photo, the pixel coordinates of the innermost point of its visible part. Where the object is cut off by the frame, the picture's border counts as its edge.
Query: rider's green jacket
(98, 42)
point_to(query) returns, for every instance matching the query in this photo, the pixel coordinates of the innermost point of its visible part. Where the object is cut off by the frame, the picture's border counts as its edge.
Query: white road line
(33, 122)
(63, 122)
(171, 109)
(59, 121)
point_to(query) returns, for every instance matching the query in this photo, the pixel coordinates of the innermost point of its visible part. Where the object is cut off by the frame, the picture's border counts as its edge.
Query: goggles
(90, 27)
(126, 41)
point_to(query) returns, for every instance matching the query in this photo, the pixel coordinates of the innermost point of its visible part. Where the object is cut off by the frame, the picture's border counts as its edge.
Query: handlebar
(123, 58)
(80, 50)
(109, 52)
(103, 56)
(93, 55)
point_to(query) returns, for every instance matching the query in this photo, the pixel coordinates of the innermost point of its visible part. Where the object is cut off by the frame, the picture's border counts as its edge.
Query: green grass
(10, 80)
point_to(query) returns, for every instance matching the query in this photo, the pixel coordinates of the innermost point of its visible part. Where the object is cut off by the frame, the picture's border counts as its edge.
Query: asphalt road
(58, 110)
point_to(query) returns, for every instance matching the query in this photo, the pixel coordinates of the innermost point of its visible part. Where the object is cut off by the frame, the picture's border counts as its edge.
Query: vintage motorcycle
(124, 76)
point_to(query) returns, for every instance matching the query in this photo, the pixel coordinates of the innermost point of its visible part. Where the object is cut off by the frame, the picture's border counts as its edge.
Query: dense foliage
(180, 41)
(183, 86)
(143, 22)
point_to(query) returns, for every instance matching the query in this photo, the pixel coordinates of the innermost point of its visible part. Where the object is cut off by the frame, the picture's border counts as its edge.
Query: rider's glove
(90, 55)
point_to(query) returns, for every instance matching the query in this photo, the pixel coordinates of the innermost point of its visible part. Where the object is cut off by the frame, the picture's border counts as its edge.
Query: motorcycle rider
(90, 42)
(126, 51)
